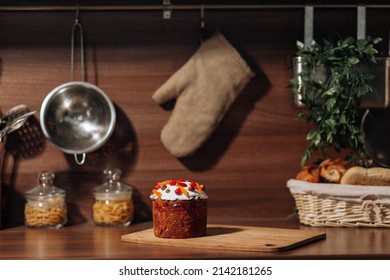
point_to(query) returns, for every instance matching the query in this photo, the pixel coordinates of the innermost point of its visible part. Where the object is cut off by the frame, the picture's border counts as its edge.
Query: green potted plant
(333, 85)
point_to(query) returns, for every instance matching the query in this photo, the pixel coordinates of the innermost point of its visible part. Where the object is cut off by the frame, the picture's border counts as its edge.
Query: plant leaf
(353, 60)
(311, 135)
(300, 45)
(333, 100)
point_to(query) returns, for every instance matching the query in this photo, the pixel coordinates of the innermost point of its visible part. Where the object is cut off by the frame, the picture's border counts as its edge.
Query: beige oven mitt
(205, 87)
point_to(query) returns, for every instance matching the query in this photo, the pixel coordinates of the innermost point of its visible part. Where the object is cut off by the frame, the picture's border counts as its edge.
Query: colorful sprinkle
(156, 193)
(178, 191)
(199, 188)
(183, 186)
(183, 190)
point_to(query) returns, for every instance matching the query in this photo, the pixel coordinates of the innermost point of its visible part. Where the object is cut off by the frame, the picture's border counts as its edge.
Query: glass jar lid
(45, 186)
(113, 188)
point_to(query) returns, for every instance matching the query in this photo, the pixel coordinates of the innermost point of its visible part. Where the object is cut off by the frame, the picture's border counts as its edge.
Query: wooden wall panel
(244, 165)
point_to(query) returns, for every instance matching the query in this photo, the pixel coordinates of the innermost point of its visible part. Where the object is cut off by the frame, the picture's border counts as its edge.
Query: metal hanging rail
(183, 7)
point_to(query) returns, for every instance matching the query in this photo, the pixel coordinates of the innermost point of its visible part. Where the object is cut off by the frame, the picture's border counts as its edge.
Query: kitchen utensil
(77, 117)
(5, 118)
(14, 119)
(379, 71)
(376, 128)
(2, 154)
(28, 141)
(231, 237)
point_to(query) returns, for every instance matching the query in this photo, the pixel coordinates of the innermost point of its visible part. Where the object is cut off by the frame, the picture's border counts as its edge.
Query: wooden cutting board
(241, 238)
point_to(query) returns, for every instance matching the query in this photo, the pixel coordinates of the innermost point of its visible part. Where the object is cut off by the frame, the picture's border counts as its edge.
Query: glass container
(113, 204)
(45, 204)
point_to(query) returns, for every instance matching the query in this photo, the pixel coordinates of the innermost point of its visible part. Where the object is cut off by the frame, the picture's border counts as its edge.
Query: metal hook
(77, 13)
(202, 12)
(74, 27)
(309, 25)
(361, 22)
(203, 35)
(167, 12)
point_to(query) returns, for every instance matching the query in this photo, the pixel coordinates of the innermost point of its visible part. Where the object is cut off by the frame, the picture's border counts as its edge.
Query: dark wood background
(129, 54)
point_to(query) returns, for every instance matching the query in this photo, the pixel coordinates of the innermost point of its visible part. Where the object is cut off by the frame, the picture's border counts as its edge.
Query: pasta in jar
(41, 216)
(113, 205)
(45, 206)
(113, 212)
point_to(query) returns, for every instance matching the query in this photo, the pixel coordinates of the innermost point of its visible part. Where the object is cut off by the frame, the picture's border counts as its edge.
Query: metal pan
(77, 117)
(376, 128)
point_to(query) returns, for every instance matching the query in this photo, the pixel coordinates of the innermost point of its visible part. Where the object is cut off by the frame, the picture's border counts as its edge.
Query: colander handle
(76, 159)
(77, 25)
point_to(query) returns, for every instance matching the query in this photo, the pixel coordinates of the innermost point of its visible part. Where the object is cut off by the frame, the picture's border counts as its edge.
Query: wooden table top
(86, 241)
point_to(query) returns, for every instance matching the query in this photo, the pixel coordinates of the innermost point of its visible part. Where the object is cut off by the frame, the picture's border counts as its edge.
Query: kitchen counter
(86, 241)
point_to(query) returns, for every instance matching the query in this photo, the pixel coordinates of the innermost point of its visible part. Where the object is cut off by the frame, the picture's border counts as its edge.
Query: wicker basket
(335, 205)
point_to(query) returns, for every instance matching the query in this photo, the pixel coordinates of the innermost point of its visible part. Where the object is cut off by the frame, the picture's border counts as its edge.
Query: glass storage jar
(113, 204)
(45, 204)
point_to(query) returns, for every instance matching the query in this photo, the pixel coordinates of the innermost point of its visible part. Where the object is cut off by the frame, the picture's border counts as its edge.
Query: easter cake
(179, 209)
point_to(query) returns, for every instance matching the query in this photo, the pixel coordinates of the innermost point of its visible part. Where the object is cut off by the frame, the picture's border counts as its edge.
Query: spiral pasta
(115, 212)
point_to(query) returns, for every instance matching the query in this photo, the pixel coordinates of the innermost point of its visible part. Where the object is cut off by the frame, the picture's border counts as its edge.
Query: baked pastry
(332, 170)
(179, 209)
(374, 176)
(309, 173)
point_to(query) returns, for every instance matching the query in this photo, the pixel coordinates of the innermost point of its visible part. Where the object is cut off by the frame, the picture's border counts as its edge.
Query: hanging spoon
(15, 118)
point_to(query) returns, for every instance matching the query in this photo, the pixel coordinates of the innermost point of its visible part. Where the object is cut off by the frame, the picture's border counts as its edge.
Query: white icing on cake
(178, 189)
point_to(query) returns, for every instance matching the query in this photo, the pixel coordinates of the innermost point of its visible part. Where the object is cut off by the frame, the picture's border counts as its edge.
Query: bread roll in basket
(361, 199)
